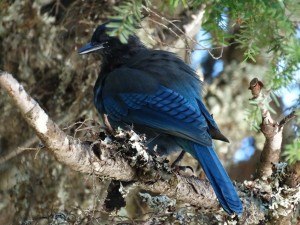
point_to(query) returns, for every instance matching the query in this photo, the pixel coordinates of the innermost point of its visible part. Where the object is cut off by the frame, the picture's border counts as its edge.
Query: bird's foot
(108, 127)
(184, 169)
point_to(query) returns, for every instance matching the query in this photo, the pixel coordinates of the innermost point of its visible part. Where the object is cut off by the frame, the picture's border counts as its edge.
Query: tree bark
(107, 157)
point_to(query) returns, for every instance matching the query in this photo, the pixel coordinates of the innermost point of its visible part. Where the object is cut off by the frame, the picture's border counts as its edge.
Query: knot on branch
(268, 128)
(255, 87)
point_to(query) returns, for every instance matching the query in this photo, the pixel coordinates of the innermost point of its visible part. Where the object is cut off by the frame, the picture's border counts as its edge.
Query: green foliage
(254, 25)
(176, 3)
(258, 26)
(283, 73)
(292, 151)
(128, 16)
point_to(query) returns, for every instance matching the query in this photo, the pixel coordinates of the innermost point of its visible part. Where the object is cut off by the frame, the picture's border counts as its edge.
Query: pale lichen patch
(41, 121)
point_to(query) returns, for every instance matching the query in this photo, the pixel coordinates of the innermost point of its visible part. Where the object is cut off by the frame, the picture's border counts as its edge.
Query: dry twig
(271, 129)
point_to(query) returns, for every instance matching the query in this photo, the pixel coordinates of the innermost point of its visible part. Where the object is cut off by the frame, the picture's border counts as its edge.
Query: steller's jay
(156, 91)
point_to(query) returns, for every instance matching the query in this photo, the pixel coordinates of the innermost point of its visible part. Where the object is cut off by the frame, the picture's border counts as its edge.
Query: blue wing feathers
(213, 128)
(134, 101)
(165, 101)
(175, 105)
(114, 108)
(165, 110)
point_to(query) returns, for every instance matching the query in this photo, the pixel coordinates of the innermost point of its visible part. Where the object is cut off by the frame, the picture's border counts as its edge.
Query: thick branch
(68, 150)
(110, 157)
(192, 190)
(271, 129)
(80, 156)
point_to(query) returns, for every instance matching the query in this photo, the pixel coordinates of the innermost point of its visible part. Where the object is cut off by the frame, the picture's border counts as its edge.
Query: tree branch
(124, 157)
(13, 152)
(103, 157)
(70, 151)
(271, 129)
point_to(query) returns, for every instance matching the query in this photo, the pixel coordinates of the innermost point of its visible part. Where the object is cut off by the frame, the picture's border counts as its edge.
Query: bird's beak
(89, 47)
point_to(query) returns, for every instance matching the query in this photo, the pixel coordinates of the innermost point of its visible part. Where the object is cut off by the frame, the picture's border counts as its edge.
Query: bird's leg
(177, 160)
(109, 129)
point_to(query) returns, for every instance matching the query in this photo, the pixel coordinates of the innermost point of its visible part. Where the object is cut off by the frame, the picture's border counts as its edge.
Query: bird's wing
(135, 97)
(173, 73)
(214, 131)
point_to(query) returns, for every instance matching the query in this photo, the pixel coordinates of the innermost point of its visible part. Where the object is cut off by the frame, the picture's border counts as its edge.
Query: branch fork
(271, 129)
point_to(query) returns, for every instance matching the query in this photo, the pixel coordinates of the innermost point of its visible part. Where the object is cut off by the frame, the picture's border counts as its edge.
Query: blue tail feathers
(217, 176)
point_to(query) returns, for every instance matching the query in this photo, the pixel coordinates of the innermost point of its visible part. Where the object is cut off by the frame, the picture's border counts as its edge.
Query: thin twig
(286, 119)
(15, 151)
(271, 129)
(187, 33)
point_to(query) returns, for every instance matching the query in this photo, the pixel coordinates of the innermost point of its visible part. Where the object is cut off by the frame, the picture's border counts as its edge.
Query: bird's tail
(217, 176)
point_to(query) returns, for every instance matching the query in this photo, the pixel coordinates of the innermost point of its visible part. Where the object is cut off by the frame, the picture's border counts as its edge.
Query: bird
(158, 92)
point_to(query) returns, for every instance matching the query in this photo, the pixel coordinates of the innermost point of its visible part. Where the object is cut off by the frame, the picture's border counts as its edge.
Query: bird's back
(169, 70)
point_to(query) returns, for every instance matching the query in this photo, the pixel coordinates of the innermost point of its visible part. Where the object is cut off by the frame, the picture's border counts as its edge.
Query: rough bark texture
(148, 173)
(71, 151)
(270, 156)
(271, 129)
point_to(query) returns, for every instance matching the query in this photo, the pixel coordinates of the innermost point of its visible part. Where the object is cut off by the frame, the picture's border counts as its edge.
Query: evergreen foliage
(128, 16)
(256, 26)
(292, 151)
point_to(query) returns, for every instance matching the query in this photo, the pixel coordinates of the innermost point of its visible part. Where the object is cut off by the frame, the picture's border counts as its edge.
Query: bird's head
(106, 45)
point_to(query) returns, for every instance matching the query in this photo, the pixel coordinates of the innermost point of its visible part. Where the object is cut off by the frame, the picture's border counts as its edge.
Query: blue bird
(156, 91)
